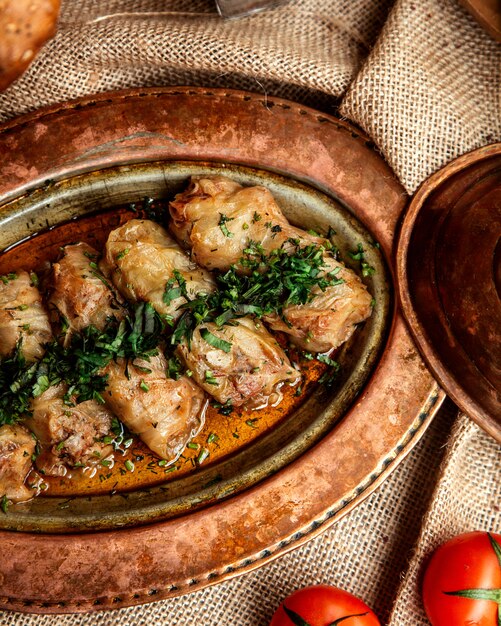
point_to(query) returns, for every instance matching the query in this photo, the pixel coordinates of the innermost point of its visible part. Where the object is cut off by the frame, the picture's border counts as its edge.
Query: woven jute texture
(430, 90)
(471, 461)
(424, 81)
(300, 51)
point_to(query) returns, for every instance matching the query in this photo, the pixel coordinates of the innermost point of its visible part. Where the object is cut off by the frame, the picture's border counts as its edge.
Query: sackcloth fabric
(424, 81)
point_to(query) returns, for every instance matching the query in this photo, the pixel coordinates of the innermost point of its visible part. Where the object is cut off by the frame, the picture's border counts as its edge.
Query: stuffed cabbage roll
(148, 271)
(80, 295)
(238, 363)
(164, 413)
(22, 316)
(141, 258)
(69, 435)
(17, 448)
(218, 219)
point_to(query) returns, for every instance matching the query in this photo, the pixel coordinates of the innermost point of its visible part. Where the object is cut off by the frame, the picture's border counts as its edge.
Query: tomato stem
(494, 595)
(295, 618)
(341, 619)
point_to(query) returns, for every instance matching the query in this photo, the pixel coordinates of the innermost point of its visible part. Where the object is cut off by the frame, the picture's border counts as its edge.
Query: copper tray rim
(430, 354)
(431, 399)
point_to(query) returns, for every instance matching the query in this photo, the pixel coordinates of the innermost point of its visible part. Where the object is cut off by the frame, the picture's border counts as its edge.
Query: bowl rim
(300, 501)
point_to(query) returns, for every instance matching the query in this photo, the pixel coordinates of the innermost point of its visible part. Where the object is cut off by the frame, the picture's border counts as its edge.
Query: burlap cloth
(424, 81)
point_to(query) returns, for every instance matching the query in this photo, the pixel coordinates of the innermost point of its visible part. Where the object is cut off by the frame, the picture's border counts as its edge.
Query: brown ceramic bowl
(449, 277)
(270, 492)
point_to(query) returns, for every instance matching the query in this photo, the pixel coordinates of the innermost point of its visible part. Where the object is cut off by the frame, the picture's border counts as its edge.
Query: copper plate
(449, 276)
(133, 134)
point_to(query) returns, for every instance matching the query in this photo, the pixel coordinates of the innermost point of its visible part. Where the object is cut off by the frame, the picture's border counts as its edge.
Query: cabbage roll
(80, 295)
(17, 448)
(22, 316)
(146, 270)
(164, 413)
(218, 219)
(69, 435)
(141, 258)
(243, 363)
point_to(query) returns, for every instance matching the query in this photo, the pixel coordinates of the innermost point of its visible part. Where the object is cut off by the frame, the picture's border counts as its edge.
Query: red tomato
(467, 562)
(323, 605)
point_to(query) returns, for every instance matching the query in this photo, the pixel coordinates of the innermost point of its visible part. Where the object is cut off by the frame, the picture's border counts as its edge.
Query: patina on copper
(238, 534)
(449, 271)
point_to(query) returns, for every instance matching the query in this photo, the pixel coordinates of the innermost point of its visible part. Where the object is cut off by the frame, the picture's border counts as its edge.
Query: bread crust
(25, 26)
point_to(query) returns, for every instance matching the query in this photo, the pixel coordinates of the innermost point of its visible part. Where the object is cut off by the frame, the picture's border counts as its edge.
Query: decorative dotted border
(315, 527)
(267, 102)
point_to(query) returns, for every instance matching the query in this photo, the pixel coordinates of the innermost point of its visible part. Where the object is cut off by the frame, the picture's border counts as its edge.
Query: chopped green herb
(210, 379)
(252, 422)
(203, 455)
(256, 217)
(4, 504)
(367, 270)
(193, 446)
(174, 367)
(224, 409)
(212, 438)
(217, 342)
(172, 468)
(323, 358)
(129, 465)
(223, 220)
(34, 279)
(358, 255)
(121, 254)
(162, 463)
(143, 386)
(6, 278)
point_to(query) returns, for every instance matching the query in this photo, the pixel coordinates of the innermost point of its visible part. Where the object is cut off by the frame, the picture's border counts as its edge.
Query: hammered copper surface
(449, 266)
(200, 548)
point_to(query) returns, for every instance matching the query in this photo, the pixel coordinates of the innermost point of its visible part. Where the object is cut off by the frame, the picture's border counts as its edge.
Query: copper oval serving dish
(289, 481)
(449, 271)
(251, 445)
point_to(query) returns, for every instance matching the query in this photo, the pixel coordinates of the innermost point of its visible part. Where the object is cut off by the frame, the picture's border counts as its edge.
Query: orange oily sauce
(138, 467)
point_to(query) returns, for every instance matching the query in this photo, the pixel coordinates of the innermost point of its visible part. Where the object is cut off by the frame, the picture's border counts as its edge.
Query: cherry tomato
(323, 605)
(462, 583)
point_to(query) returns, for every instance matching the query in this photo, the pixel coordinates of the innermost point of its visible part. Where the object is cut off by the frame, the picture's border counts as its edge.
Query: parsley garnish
(4, 504)
(359, 255)
(78, 364)
(217, 342)
(223, 220)
(210, 379)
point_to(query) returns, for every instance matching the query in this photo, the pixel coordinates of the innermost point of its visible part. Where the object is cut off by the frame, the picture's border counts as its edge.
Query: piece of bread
(25, 26)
